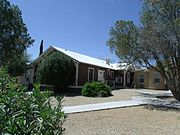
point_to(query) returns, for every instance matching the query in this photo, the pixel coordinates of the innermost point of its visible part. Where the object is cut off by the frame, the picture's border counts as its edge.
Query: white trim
(124, 84)
(103, 75)
(77, 72)
(128, 77)
(88, 73)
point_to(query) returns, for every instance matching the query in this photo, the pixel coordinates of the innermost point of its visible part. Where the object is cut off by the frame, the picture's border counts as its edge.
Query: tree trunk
(176, 94)
(174, 86)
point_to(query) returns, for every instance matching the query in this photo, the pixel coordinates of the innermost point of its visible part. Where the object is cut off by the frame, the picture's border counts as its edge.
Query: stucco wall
(137, 83)
(149, 76)
(153, 85)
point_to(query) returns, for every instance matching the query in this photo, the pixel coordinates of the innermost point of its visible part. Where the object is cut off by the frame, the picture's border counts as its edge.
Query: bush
(96, 89)
(56, 69)
(22, 113)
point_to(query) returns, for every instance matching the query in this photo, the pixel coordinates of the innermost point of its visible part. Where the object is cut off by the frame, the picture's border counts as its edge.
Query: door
(101, 74)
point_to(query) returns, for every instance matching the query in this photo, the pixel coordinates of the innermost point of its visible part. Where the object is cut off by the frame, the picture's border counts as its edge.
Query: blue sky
(77, 25)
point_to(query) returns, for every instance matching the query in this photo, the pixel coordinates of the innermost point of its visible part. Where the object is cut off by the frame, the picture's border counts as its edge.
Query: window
(157, 77)
(112, 74)
(101, 75)
(119, 79)
(141, 78)
(104, 74)
(91, 74)
(128, 77)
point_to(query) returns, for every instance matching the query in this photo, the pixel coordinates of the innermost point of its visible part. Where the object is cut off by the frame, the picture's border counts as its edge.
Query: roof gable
(83, 59)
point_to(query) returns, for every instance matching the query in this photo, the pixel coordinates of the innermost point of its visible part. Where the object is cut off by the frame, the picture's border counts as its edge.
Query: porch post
(124, 84)
(77, 72)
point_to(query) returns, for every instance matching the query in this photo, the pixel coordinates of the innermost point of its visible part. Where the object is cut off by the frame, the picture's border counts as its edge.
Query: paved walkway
(148, 98)
(101, 106)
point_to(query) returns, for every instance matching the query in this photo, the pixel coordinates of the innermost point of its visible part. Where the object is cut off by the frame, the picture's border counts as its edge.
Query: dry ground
(118, 95)
(124, 121)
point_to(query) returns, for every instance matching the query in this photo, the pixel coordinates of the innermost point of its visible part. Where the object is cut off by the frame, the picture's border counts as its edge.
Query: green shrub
(56, 69)
(96, 89)
(23, 113)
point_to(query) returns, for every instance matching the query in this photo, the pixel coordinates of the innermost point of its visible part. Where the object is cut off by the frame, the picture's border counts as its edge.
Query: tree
(155, 44)
(56, 69)
(18, 64)
(14, 36)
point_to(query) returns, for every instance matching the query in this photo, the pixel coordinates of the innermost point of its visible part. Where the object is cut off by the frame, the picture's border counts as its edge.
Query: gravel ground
(124, 121)
(118, 95)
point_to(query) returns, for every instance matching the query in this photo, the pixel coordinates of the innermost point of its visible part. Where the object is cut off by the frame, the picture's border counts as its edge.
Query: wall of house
(83, 73)
(137, 83)
(149, 83)
(152, 84)
(119, 78)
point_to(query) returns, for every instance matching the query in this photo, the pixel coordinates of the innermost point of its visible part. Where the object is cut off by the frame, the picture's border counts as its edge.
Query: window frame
(90, 68)
(128, 77)
(108, 72)
(119, 79)
(112, 74)
(140, 77)
(157, 76)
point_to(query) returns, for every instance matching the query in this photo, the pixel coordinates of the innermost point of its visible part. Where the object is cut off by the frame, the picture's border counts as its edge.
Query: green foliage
(14, 36)
(56, 69)
(96, 89)
(18, 64)
(155, 44)
(123, 40)
(24, 113)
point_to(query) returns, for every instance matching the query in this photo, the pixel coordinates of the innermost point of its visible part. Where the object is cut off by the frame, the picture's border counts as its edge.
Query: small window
(128, 77)
(112, 74)
(108, 72)
(119, 79)
(104, 75)
(157, 77)
(91, 74)
(141, 78)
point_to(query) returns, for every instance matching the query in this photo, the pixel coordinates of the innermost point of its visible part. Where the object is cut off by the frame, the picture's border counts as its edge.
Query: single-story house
(149, 79)
(88, 69)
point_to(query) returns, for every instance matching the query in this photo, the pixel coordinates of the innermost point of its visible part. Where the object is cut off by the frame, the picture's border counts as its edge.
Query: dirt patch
(118, 95)
(124, 121)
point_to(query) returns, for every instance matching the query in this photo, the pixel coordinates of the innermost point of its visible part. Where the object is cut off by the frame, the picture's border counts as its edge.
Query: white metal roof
(90, 60)
(84, 59)
(120, 66)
